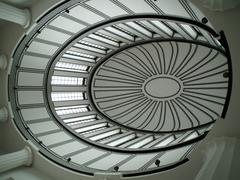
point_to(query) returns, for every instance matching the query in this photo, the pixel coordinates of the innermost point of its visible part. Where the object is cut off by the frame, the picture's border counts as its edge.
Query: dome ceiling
(158, 86)
(114, 87)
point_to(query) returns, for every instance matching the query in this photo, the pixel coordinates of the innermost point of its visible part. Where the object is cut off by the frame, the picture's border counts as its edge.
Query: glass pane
(67, 24)
(67, 96)
(122, 140)
(89, 47)
(41, 48)
(30, 97)
(53, 36)
(104, 135)
(79, 56)
(34, 113)
(138, 6)
(43, 127)
(137, 162)
(92, 127)
(165, 142)
(190, 30)
(34, 62)
(86, 156)
(59, 80)
(30, 79)
(71, 110)
(83, 118)
(142, 142)
(55, 138)
(109, 8)
(105, 164)
(85, 15)
(163, 27)
(68, 148)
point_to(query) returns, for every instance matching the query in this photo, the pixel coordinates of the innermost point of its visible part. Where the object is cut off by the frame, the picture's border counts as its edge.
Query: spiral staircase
(120, 86)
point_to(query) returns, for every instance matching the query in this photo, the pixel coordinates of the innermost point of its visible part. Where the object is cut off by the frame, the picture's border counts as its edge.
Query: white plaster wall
(24, 173)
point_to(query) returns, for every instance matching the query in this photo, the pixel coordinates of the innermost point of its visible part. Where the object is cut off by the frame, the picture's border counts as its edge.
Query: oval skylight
(127, 86)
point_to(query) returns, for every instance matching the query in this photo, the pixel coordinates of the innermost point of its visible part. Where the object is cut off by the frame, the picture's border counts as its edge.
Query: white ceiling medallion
(126, 86)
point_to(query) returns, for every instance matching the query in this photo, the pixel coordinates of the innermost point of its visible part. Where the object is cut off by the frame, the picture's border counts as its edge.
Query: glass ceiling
(126, 86)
